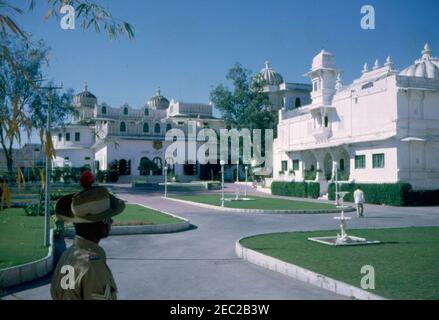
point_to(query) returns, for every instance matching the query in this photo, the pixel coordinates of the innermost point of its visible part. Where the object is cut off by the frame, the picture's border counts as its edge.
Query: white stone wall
(87, 137)
(76, 157)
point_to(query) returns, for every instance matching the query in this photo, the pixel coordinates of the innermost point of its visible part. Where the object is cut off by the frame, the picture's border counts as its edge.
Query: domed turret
(269, 76)
(426, 67)
(158, 101)
(85, 98)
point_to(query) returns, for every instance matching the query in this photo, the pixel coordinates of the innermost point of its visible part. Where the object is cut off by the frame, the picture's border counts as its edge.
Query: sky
(186, 47)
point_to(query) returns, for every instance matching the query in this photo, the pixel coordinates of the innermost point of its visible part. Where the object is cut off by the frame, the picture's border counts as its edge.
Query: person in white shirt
(359, 201)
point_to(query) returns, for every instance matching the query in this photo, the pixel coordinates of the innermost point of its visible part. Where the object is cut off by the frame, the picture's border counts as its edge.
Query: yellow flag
(20, 179)
(6, 195)
(43, 180)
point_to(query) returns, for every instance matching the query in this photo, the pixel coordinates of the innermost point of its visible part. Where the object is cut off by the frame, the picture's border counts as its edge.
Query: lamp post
(336, 184)
(237, 170)
(245, 189)
(166, 179)
(222, 163)
(167, 161)
(47, 169)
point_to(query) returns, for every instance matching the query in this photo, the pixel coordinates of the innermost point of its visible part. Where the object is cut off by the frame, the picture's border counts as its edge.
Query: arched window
(125, 111)
(341, 166)
(168, 127)
(104, 110)
(157, 128)
(297, 103)
(123, 127)
(145, 166)
(146, 112)
(159, 166)
(145, 128)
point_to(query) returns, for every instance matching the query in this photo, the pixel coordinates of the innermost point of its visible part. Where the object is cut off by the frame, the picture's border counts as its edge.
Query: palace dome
(85, 98)
(158, 101)
(269, 76)
(426, 67)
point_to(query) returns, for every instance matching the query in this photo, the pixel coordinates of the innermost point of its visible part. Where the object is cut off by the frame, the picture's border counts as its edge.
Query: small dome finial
(338, 83)
(376, 65)
(267, 64)
(158, 92)
(426, 53)
(85, 86)
(365, 68)
(389, 62)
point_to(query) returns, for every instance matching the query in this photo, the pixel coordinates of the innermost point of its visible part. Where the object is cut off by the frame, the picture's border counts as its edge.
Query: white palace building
(101, 134)
(381, 128)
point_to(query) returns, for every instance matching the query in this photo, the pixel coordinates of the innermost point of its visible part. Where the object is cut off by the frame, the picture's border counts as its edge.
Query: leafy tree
(247, 105)
(88, 13)
(16, 92)
(12, 113)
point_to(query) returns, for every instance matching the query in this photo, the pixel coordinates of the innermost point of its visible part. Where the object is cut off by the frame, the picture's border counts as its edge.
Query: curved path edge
(146, 228)
(26, 272)
(210, 206)
(302, 274)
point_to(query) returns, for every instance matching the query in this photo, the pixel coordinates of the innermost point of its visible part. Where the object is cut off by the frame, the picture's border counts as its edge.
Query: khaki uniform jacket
(82, 274)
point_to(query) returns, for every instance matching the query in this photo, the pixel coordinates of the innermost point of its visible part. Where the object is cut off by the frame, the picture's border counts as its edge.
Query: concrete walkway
(201, 263)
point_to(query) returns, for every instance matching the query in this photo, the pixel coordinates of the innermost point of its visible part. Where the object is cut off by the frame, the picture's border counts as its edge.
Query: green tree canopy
(246, 105)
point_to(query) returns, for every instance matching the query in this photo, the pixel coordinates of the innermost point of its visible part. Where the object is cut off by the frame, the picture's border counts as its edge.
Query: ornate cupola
(323, 75)
(158, 101)
(85, 98)
(84, 102)
(269, 76)
(426, 67)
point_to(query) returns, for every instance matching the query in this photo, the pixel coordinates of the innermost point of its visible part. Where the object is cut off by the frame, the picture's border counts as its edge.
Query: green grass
(138, 215)
(406, 263)
(21, 238)
(259, 203)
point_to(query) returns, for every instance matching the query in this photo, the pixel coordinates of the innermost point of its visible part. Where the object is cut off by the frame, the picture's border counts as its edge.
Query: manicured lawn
(259, 203)
(406, 263)
(21, 238)
(136, 215)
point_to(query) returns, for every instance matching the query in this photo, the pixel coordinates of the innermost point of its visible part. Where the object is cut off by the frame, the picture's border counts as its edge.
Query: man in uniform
(82, 272)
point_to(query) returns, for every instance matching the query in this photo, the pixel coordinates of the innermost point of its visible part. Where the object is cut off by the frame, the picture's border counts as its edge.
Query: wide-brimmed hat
(88, 206)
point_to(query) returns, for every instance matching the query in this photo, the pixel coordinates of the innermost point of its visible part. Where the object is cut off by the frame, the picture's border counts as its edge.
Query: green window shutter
(378, 160)
(360, 162)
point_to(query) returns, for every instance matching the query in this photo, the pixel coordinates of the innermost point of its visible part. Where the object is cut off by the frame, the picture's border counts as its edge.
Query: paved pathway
(201, 263)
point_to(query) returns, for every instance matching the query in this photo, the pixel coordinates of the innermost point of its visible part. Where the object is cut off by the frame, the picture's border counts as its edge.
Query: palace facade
(381, 128)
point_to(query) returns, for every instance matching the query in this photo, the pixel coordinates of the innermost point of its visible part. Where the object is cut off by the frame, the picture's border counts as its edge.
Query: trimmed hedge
(392, 194)
(423, 198)
(296, 189)
(313, 190)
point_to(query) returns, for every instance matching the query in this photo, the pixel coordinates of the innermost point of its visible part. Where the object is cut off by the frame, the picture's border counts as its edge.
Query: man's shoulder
(82, 257)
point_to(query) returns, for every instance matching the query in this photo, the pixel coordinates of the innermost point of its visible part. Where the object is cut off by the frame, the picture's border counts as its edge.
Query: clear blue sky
(186, 47)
